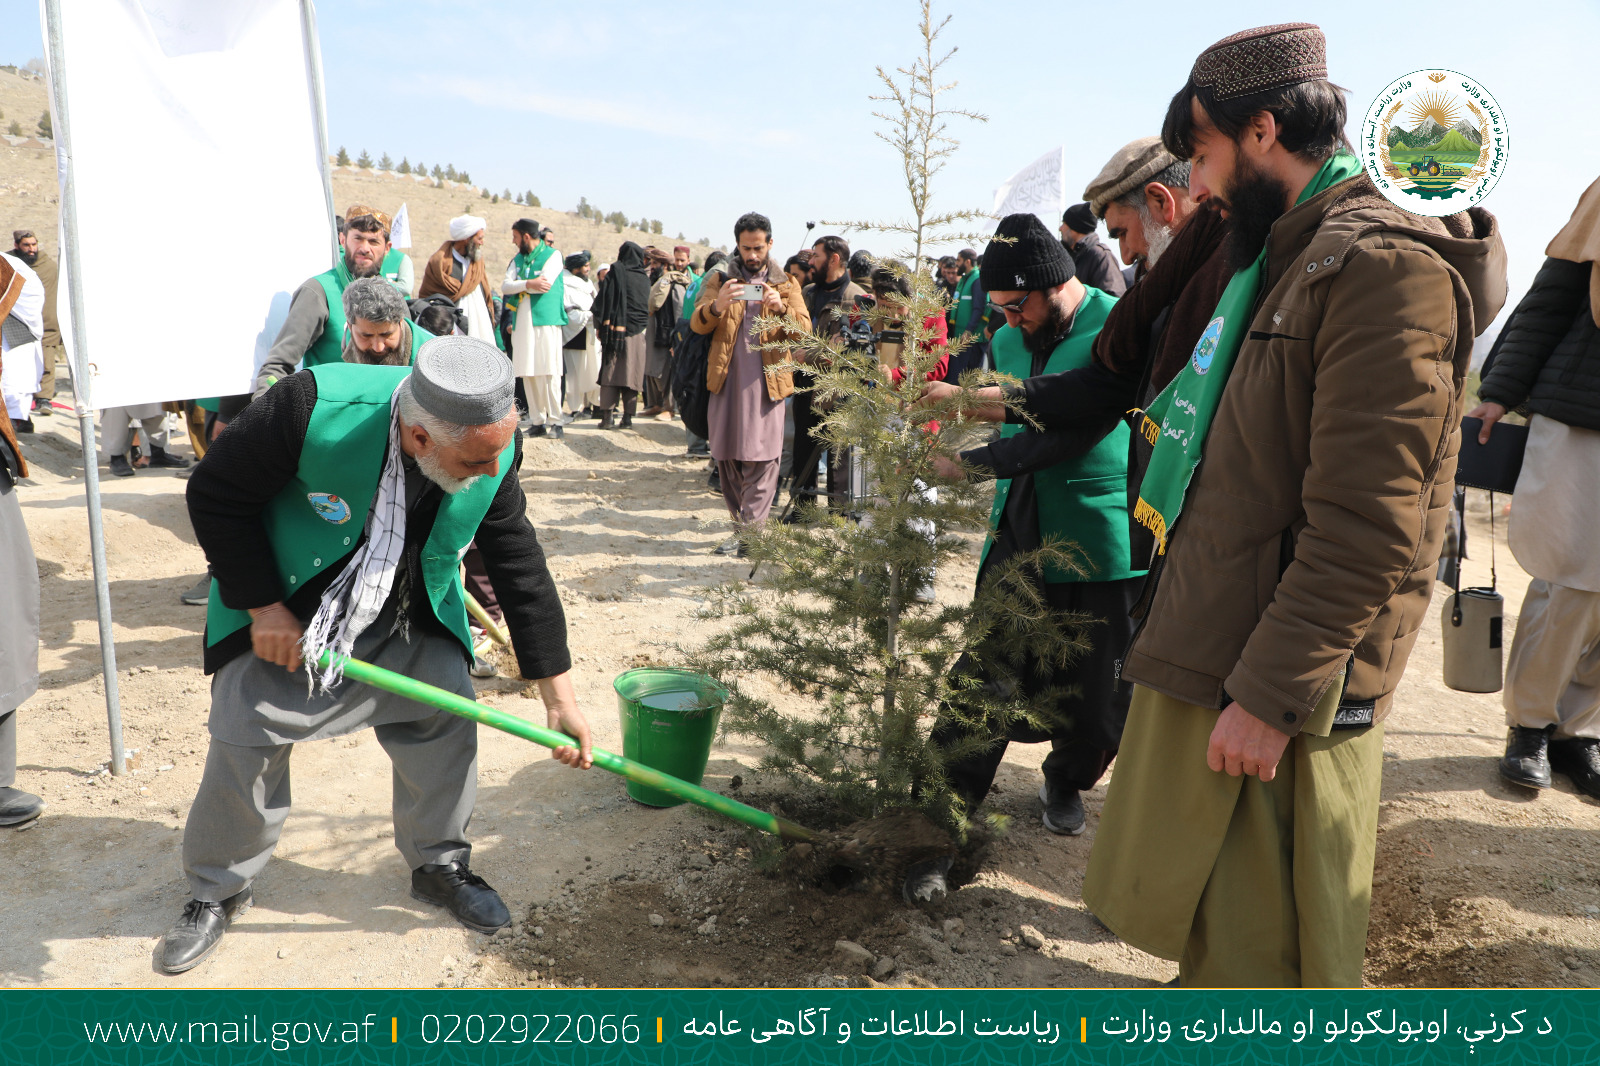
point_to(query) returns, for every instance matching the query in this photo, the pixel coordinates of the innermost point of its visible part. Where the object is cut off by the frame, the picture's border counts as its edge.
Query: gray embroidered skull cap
(463, 381)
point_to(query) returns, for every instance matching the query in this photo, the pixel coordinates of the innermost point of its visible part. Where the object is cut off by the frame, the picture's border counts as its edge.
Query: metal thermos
(1473, 653)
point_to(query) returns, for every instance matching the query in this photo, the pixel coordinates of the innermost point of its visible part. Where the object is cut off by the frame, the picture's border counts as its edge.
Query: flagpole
(319, 113)
(79, 361)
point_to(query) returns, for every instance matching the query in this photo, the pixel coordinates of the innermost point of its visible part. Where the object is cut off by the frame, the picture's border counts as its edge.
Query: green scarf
(1177, 420)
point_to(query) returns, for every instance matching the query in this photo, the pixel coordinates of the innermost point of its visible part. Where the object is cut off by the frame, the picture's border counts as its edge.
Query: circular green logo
(1434, 142)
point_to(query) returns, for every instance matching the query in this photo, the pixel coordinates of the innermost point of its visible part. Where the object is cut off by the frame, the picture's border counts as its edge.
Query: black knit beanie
(1080, 217)
(1032, 259)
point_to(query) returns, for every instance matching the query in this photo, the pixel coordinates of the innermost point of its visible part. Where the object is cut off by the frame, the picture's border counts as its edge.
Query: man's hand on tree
(1243, 743)
(946, 467)
(275, 635)
(982, 404)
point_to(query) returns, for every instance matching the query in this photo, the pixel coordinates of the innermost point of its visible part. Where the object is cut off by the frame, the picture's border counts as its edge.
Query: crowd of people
(1251, 614)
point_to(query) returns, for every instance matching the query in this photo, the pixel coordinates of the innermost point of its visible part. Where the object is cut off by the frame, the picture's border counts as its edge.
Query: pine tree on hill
(584, 210)
(45, 129)
(386, 163)
(15, 129)
(438, 173)
(530, 199)
(342, 159)
(464, 178)
(405, 166)
(485, 196)
(364, 161)
(507, 195)
(493, 199)
(655, 226)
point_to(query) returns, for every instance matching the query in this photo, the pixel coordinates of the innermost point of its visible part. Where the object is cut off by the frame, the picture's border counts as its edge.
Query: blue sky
(765, 106)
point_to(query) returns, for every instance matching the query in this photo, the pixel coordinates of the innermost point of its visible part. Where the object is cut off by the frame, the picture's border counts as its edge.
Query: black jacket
(252, 461)
(1546, 360)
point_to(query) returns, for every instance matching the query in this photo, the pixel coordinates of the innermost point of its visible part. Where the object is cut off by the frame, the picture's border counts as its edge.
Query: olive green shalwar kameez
(1244, 883)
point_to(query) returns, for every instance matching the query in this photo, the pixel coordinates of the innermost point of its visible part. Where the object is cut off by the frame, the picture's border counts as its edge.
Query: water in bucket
(669, 718)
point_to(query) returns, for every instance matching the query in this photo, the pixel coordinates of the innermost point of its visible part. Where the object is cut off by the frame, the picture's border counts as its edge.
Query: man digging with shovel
(363, 486)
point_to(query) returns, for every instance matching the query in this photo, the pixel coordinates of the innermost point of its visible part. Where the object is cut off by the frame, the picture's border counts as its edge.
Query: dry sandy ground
(1476, 883)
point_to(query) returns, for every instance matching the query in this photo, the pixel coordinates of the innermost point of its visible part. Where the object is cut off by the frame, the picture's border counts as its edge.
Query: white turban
(465, 226)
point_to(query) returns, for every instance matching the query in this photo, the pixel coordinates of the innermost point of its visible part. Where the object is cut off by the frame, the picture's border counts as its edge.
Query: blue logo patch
(329, 507)
(1205, 349)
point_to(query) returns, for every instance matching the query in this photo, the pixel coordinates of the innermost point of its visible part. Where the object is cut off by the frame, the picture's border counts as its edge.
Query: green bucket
(669, 718)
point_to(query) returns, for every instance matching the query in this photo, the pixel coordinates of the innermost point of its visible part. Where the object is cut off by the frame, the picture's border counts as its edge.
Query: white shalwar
(23, 365)
(583, 364)
(536, 350)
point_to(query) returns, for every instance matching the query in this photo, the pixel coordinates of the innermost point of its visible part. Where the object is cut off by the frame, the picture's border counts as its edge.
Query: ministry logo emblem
(1434, 142)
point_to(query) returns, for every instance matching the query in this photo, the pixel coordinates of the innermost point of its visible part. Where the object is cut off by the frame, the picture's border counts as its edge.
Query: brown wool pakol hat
(1267, 57)
(1135, 164)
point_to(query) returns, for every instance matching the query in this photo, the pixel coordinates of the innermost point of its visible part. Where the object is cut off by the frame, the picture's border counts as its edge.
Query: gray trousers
(1553, 671)
(8, 749)
(116, 429)
(244, 799)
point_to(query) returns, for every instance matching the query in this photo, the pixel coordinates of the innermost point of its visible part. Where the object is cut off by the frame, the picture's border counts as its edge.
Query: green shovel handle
(433, 696)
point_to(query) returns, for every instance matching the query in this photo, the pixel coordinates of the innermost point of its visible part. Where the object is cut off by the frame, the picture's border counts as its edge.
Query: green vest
(1083, 502)
(329, 348)
(319, 516)
(391, 267)
(546, 308)
(962, 311)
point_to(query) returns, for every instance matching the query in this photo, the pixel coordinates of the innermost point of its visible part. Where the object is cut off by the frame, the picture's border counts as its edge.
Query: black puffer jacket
(1546, 360)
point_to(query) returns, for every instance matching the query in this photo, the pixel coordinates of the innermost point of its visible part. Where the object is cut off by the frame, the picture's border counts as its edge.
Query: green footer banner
(42, 1028)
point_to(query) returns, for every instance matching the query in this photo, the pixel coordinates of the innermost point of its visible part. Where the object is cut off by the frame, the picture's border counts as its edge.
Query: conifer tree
(404, 167)
(530, 199)
(438, 172)
(841, 613)
(385, 163)
(343, 158)
(364, 161)
(45, 128)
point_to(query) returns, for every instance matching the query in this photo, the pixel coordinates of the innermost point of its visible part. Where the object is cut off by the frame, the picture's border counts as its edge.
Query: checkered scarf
(356, 596)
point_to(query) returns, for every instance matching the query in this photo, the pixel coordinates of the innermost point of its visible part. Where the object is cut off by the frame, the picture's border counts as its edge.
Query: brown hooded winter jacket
(1308, 539)
(725, 327)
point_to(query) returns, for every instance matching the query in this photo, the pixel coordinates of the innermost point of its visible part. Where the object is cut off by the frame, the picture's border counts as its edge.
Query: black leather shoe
(461, 892)
(1579, 759)
(162, 457)
(120, 466)
(557, 433)
(537, 431)
(1063, 810)
(1527, 759)
(606, 421)
(199, 931)
(18, 807)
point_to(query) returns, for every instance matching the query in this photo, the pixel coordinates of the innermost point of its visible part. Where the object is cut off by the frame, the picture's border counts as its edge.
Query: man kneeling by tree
(364, 485)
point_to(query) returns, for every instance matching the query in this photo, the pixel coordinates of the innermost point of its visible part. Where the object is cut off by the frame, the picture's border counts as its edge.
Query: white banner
(200, 201)
(1039, 188)
(400, 229)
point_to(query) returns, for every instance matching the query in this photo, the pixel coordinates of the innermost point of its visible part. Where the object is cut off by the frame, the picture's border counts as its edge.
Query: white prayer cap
(465, 226)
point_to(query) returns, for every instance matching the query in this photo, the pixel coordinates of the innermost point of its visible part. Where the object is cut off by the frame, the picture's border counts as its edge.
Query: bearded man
(1064, 485)
(457, 271)
(1302, 468)
(333, 514)
(377, 327)
(533, 291)
(25, 246)
(315, 331)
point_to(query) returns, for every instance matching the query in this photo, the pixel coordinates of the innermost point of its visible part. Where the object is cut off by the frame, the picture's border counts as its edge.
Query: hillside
(28, 197)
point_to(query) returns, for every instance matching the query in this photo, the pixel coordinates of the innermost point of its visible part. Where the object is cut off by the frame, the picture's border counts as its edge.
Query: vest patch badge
(329, 507)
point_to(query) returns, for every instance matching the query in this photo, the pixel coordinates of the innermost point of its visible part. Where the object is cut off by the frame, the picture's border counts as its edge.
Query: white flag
(1040, 188)
(225, 137)
(400, 229)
